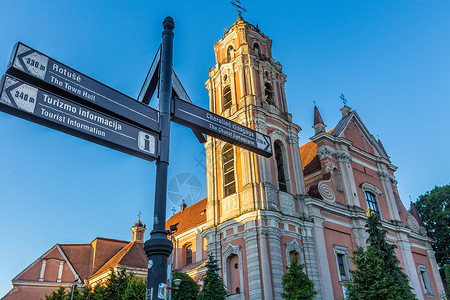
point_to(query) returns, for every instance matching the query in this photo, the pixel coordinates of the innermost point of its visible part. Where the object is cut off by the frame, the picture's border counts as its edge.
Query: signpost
(43, 71)
(59, 97)
(219, 127)
(36, 105)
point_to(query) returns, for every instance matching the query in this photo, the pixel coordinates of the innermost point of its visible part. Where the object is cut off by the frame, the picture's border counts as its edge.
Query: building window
(229, 182)
(371, 201)
(268, 93)
(342, 262)
(226, 98)
(189, 255)
(280, 167)
(230, 53)
(425, 279)
(257, 50)
(372, 197)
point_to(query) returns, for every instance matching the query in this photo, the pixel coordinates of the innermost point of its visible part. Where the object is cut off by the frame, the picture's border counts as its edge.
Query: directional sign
(37, 105)
(41, 70)
(219, 127)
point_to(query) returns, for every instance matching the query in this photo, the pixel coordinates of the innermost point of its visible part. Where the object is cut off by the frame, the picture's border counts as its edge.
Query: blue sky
(391, 59)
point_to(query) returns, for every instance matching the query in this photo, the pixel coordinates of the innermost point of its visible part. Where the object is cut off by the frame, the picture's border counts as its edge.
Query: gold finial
(369, 212)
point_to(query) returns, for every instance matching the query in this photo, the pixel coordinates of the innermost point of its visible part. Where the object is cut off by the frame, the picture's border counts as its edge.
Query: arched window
(229, 183)
(226, 98)
(268, 93)
(188, 255)
(371, 201)
(257, 50)
(280, 167)
(230, 53)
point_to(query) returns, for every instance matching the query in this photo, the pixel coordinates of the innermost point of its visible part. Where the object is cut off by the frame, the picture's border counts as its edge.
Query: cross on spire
(343, 99)
(239, 7)
(139, 215)
(314, 102)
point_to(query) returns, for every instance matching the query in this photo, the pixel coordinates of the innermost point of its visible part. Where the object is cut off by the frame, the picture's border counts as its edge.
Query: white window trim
(367, 187)
(428, 292)
(294, 246)
(342, 251)
(230, 250)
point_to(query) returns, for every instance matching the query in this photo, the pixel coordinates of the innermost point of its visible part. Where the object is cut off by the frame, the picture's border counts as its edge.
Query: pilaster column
(60, 269)
(276, 260)
(345, 165)
(311, 263)
(385, 178)
(198, 246)
(322, 259)
(265, 267)
(435, 270)
(253, 262)
(41, 274)
(410, 267)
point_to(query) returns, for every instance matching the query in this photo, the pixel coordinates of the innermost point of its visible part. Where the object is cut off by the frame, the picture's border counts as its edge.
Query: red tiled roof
(78, 256)
(131, 256)
(103, 250)
(307, 153)
(309, 158)
(191, 217)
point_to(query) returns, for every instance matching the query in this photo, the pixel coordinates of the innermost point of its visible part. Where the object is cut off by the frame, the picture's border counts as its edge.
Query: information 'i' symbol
(146, 142)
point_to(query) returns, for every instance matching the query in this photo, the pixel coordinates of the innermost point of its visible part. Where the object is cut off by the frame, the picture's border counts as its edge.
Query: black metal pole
(158, 247)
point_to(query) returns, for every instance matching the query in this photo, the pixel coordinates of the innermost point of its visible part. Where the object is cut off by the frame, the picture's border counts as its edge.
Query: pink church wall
(51, 270)
(353, 134)
(336, 235)
(32, 273)
(420, 257)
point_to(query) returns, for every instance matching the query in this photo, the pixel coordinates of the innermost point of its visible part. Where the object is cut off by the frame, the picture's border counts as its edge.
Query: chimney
(345, 111)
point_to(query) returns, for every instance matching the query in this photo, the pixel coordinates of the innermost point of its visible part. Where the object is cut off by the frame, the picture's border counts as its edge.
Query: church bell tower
(249, 195)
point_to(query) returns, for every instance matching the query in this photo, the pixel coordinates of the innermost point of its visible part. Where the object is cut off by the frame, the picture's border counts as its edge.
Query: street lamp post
(158, 247)
(172, 229)
(74, 286)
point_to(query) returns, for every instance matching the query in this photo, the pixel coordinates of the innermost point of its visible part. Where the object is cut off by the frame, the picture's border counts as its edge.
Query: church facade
(307, 201)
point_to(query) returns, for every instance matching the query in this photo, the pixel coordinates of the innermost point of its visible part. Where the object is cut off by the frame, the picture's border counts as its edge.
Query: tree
(122, 285)
(213, 286)
(377, 275)
(434, 209)
(60, 294)
(188, 289)
(296, 284)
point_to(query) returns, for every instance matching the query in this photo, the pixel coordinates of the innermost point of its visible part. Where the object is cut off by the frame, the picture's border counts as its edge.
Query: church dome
(138, 224)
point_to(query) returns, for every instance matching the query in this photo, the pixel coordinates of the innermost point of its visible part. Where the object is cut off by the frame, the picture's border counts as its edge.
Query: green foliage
(377, 275)
(188, 289)
(60, 294)
(434, 209)
(296, 284)
(213, 286)
(445, 274)
(118, 286)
